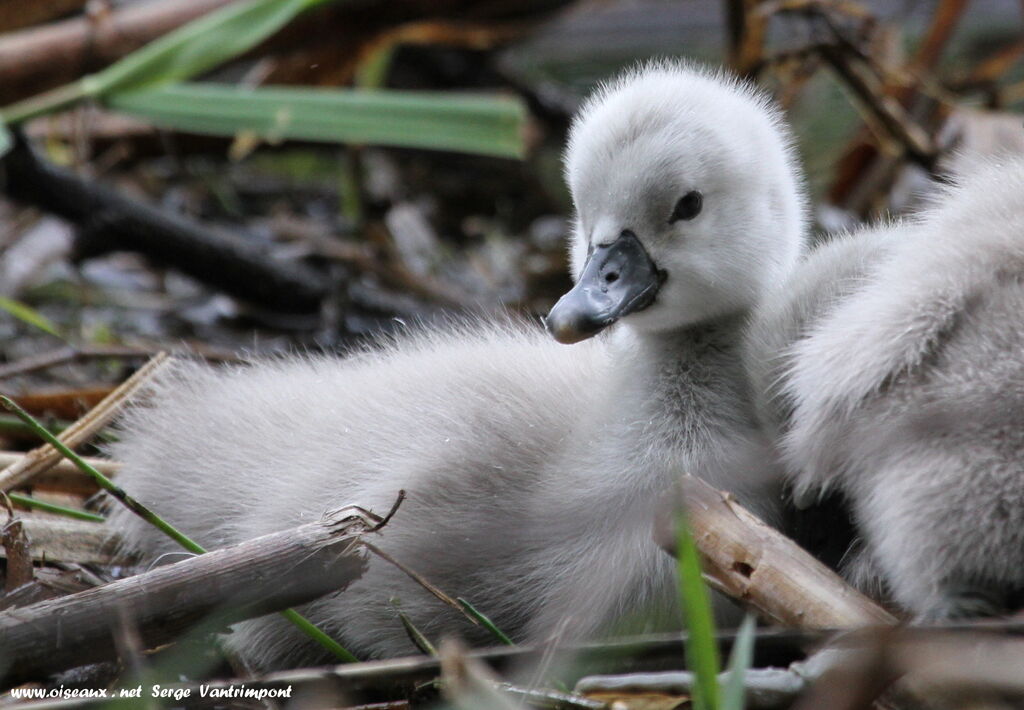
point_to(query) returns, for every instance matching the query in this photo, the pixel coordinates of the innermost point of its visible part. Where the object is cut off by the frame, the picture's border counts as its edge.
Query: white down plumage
(892, 368)
(532, 468)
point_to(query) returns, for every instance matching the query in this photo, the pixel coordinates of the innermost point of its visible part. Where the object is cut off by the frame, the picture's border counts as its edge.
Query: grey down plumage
(890, 368)
(531, 468)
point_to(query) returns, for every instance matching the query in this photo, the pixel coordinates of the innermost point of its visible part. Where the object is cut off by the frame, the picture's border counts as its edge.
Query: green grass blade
(101, 480)
(487, 125)
(198, 46)
(740, 660)
(312, 631)
(416, 636)
(702, 648)
(191, 49)
(13, 426)
(29, 315)
(30, 502)
(485, 622)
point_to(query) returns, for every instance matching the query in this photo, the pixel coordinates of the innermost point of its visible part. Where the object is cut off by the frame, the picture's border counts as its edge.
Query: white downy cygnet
(892, 368)
(531, 468)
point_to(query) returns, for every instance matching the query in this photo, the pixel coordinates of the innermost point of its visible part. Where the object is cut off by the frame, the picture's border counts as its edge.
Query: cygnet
(531, 468)
(890, 369)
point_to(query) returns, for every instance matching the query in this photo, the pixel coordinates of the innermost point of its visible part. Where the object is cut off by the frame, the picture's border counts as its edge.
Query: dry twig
(759, 566)
(42, 57)
(14, 544)
(42, 458)
(67, 540)
(269, 573)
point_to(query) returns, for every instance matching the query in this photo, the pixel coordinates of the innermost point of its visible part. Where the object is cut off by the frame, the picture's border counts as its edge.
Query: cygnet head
(688, 202)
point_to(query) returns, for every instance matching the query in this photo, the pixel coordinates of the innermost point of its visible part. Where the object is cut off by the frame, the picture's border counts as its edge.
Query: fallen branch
(15, 14)
(269, 573)
(43, 57)
(765, 687)
(66, 540)
(112, 222)
(372, 681)
(53, 580)
(917, 662)
(14, 545)
(754, 563)
(875, 103)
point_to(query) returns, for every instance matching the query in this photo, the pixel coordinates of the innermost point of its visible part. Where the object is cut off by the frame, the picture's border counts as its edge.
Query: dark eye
(688, 207)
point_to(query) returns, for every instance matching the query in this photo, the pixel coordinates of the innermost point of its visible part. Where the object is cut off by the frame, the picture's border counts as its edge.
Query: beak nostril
(611, 277)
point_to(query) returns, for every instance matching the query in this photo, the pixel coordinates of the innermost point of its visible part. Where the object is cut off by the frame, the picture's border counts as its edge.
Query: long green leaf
(487, 125)
(191, 49)
(30, 502)
(485, 622)
(198, 46)
(701, 647)
(29, 315)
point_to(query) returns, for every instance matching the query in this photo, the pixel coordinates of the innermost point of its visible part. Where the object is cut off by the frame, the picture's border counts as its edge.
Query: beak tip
(562, 331)
(565, 327)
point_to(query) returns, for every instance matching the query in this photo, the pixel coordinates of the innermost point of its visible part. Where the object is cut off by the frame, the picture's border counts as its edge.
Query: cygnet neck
(709, 339)
(684, 390)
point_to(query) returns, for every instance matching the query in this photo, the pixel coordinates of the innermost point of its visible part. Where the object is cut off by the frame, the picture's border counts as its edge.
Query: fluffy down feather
(891, 370)
(532, 468)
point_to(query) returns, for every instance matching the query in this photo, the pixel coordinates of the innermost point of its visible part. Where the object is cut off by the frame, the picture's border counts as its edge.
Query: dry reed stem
(44, 457)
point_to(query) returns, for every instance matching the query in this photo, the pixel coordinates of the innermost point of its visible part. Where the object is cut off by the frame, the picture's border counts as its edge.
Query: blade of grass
(416, 636)
(487, 125)
(306, 626)
(485, 622)
(740, 660)
(701, 647)
(29, 315)
(188, 51)
(12, 426)
(199, 45)
(312, 631)
(101, 480)
(30, 502)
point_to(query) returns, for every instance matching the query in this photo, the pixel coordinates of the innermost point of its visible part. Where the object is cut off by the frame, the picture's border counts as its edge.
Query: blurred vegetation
(879, 96)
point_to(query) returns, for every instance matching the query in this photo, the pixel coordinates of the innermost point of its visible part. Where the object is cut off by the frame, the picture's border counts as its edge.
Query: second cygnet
(890, 367)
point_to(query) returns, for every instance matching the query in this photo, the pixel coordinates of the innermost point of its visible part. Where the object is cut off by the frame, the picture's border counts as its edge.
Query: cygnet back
(904, 390)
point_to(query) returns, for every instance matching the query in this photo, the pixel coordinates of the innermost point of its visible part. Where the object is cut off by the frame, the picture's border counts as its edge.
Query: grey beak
(617, 279)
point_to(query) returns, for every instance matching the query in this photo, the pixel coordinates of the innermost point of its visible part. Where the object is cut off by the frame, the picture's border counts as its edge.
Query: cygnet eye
(688, 207)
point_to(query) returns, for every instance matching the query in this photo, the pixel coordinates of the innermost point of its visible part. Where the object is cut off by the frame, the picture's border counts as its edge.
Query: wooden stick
(15, 14)
(65, 540)
(39, 58)
(873, 101)
(14, 545)
(269, 573)
(371, 680)
(754, 563)
(110, 220)
(43, 457)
